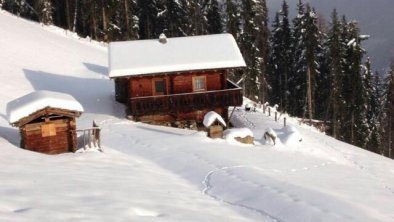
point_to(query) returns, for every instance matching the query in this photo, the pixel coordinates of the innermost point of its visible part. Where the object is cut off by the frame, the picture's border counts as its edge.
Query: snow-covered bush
(270, 136)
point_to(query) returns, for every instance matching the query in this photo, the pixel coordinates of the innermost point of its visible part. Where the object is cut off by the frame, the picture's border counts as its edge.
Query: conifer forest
(314, 68)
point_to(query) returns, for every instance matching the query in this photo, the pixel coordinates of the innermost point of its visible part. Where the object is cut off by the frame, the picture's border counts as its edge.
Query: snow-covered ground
(153, 173)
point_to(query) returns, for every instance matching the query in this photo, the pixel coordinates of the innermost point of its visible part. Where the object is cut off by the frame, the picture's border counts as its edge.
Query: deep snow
(153, 173)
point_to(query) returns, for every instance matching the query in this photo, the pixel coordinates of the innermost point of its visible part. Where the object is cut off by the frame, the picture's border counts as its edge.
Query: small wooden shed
(214, 124)
(46, 121)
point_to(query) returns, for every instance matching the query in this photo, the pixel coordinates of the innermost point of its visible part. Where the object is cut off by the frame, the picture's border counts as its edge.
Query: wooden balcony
(186, 102)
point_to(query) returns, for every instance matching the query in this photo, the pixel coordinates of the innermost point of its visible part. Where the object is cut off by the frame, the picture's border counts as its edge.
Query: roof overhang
(182, 54)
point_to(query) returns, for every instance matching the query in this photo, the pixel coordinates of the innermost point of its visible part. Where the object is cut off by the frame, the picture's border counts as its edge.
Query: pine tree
(254, 46)
(334, 56)
(306, 46)
(197, 17)
(296, 78)
(45, 10)
(214, 20)
(281, 58)
(23, 8)
(128, 21)
(233, 26)
(263, 35)
(322, 81)
(275, 73)
(174, 18)
(372, 85)
(354, 119)
(233, 22)
(388, 118)
(147, 11)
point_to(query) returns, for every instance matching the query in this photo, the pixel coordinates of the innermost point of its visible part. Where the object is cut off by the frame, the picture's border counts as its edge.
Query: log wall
(176, 83)
(194, 115)
(52, 137)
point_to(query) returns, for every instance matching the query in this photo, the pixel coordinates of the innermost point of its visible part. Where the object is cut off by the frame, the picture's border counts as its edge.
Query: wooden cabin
(176, 79)
(46, 121)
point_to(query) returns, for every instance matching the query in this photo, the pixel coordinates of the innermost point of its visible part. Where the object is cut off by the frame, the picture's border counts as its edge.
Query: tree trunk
(75, 16)
(127, 19)
(309, 94)
(68, 19)
(352, 129)
(389, 139)
(105, 23)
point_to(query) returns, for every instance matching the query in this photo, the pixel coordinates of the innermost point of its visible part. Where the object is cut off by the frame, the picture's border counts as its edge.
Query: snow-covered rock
(231, 134)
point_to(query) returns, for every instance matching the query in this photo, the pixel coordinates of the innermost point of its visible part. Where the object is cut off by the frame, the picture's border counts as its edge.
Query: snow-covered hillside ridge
(153, 173)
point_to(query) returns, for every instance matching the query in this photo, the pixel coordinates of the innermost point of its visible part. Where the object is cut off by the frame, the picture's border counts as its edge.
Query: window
(159, 86)
(199, 83)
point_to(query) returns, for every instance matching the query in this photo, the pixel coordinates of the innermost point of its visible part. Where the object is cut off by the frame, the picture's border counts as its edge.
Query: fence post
(269, 111)
(98, 138)
(284, 121)
(276, 116)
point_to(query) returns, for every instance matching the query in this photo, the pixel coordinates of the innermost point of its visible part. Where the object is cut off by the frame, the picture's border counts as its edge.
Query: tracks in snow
(266, 188)
(361, 167)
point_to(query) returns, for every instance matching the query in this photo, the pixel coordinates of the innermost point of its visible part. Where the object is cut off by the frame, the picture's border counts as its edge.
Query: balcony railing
(186, 102)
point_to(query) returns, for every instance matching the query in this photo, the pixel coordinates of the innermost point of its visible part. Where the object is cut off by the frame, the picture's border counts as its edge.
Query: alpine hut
(46, 121)
(176, 79)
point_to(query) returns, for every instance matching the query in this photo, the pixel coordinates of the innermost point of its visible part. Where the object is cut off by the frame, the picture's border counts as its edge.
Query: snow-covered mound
(154, 173)
(270, 136)
(291, 136)
(231, 134)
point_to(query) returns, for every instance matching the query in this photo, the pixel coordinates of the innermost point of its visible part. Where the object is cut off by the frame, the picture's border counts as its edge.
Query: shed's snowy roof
(32, 102)
(211, 117)
(176, 54)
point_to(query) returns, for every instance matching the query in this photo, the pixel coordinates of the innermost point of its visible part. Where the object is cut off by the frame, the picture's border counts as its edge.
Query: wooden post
(269, 111)
(276, 116)
(231, 115)
(90, 138)
(284, 121)
(98, 138)
(84, 140)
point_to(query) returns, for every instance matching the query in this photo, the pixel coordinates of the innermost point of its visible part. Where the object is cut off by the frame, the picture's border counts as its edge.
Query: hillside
(153, 173)
(375, 19)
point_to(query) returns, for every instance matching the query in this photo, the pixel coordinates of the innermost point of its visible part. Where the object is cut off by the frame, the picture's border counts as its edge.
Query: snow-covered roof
(32, 102)
(141, 57)
(211, 117)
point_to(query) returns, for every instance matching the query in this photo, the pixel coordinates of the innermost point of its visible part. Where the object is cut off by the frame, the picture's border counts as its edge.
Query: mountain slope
(152, 173)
